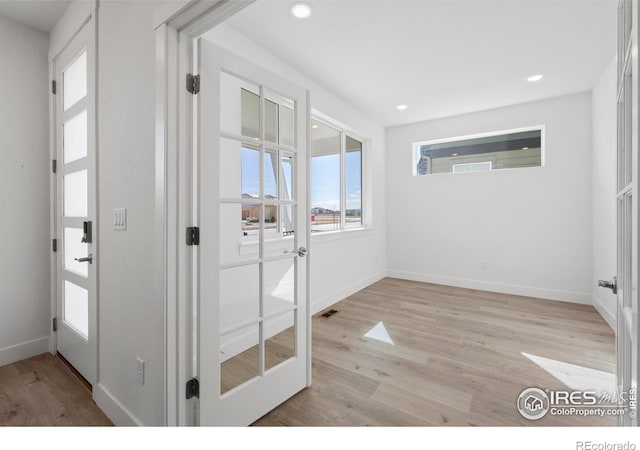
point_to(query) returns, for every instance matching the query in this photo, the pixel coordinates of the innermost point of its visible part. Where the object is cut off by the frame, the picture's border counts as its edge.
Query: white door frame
(176, 27)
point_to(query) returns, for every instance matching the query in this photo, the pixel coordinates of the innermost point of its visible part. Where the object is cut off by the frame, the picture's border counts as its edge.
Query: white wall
(131, 318)
(25, 246)
(604, 111)
(341, 264)
(522, 231)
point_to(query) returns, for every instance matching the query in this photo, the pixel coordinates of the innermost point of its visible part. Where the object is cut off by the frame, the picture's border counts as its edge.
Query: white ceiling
(38, 14)
(441, 58)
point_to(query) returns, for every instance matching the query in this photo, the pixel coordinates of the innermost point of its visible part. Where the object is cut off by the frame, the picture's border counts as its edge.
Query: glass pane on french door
(257, 225)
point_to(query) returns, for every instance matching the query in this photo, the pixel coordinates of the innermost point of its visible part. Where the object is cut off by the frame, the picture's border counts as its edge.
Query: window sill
(341, 234)
(249, 248)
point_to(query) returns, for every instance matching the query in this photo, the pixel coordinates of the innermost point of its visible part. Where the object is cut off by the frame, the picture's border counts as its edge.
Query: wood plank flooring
(459, 358)
(43, 391)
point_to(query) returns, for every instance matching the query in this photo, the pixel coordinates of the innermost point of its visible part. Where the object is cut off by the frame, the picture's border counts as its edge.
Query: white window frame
(317, 116)
(417, 145)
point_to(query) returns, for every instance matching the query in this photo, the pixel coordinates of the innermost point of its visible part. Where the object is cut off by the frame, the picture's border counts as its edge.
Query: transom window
(480, 153)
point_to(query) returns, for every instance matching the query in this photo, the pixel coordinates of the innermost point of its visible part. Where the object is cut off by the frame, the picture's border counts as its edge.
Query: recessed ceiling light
(301, 10)
(314, 126)
(525, 148)
(454, 154)
(401, 107)
(534, 78)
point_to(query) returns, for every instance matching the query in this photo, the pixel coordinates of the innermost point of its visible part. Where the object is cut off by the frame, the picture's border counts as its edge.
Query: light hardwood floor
(43, 391)
(458, 358)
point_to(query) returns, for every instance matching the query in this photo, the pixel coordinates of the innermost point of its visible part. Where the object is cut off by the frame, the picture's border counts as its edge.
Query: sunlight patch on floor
(576, 377)
(379, 333)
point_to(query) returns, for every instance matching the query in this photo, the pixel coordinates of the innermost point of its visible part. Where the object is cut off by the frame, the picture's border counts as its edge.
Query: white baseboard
(527, 291)
(24, 350)
(323, 303)
(607, 315)
(113, 409)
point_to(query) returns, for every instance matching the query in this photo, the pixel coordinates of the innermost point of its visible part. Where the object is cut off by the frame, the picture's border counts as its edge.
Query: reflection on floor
(460, 357)
(43, 391)
(245, 366)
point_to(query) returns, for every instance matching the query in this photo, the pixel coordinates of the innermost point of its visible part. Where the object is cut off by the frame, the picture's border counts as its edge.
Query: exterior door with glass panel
(75, 206)
(252, 202)
(627, 201)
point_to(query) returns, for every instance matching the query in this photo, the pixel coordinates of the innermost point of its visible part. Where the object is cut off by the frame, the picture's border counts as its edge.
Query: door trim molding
(176, 27)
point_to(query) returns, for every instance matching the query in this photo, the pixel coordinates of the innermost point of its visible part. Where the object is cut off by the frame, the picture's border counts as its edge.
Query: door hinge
(193, 388)
(54, 245)
(53, 87)
(193, 83)
(55, 324)
(54, 165)
(193, 236)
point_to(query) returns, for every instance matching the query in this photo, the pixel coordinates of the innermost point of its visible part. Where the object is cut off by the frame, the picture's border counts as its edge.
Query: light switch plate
(120, 219)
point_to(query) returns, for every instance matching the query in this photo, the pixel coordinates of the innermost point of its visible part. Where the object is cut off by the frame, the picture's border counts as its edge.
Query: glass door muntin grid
(279, 153)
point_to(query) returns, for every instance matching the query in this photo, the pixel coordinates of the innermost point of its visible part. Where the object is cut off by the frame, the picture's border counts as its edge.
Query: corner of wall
(608, 315)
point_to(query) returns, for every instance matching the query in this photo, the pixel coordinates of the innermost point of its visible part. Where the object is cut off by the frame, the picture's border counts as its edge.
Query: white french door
(75, 210)
(251, 267)
(627, 204)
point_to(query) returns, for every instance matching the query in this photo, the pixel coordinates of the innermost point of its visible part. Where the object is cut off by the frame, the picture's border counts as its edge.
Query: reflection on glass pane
(271, 121)
(353, 168)
(287, 126)
(74, 248)
(74, 133)
(239, 297)
(270, 175)
(238, 221)
(76, 307)
(287, 178)
(75, 194)
(288, 220)
(75, 81)
(239, 106)
(239, 358)
(232, 182)
(503, 151)
(325, 177)
(250, 172)
(280, 342)
(270, 219)
(279, 286)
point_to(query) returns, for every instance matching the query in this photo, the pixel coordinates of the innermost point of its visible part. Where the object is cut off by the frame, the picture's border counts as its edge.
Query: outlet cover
(140, 375)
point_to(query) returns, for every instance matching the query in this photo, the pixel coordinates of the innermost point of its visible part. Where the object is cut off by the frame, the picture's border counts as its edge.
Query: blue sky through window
(325, 179)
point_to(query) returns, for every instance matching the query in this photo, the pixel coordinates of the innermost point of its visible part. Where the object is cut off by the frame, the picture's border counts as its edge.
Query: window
(336, 179)
(480, 153)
